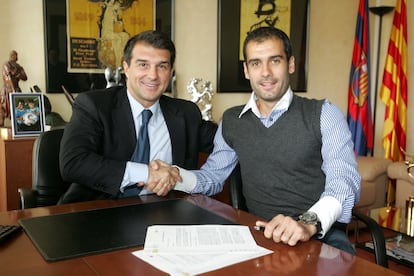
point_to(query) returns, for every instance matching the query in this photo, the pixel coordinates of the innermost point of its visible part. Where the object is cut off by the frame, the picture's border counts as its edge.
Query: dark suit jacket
(100, 138)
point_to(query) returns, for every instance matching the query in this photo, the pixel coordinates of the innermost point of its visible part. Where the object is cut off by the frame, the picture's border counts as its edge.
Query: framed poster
(27, 114)
(77, 60)
(237, 17)
(97, 31)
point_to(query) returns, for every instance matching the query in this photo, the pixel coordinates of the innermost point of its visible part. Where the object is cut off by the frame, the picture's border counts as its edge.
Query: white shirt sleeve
(327, 218)
(189, 181)
(134, 173)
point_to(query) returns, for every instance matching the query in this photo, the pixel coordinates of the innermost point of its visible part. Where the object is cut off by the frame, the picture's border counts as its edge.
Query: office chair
(238, 201)
(47, 183)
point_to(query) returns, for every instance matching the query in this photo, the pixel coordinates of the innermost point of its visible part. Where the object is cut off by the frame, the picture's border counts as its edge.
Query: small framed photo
(27, 114)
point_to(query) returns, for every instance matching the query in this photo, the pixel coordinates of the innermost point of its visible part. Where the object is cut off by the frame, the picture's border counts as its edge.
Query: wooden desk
(18, 256)
(15, 168)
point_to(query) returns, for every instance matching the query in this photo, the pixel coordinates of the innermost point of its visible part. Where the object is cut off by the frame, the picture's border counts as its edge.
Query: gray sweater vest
(280, 165)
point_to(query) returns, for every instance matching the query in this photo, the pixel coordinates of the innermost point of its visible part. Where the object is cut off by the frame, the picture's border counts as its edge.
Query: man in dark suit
(99, 141)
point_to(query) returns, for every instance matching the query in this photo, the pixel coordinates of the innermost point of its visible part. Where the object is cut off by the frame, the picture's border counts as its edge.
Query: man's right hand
(162, 177)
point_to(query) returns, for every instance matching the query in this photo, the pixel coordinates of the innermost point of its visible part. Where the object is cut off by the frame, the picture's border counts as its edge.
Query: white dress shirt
(160, 143)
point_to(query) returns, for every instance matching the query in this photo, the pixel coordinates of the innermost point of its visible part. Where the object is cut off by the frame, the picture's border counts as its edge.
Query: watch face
(309, 217)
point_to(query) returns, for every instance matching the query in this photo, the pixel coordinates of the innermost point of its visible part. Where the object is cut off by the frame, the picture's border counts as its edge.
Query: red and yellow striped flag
(394, 90)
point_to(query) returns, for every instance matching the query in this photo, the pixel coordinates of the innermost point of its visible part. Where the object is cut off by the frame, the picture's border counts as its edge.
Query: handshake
(162, 178)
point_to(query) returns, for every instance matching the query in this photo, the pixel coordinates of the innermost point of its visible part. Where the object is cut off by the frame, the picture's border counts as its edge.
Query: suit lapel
(175, 120)
(122, 114)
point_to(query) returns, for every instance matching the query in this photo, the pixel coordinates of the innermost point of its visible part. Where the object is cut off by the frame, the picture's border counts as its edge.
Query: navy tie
(141, 152)
(142, 149)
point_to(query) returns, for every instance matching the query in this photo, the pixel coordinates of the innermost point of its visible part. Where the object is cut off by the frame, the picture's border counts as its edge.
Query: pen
(259, 228)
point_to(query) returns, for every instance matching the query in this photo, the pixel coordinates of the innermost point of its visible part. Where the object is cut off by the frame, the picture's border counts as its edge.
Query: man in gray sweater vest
(296, 155)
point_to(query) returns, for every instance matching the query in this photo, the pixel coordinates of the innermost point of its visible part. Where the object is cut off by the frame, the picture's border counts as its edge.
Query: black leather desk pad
(76, 234)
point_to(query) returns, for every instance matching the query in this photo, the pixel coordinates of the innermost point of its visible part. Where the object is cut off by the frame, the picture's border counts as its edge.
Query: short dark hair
(263, 33)
(153, 38)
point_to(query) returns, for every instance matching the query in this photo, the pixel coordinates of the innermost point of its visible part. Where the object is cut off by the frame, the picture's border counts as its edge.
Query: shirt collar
(137, 108)
(283, 104)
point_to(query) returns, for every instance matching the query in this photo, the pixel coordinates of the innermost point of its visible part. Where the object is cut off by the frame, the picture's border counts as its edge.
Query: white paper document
(196, 249)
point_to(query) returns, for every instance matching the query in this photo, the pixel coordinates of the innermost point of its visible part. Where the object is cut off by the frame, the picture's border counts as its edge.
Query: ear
(291, 66)
(125, 67)
(172, 72)
(246, 71)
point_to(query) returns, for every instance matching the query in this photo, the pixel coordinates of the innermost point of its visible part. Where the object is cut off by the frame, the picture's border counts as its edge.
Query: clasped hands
(287, 230)
(162, 178)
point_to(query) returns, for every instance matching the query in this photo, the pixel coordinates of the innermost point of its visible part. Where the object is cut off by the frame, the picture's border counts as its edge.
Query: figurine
(202, 96)
(12, 74)
(113, 78)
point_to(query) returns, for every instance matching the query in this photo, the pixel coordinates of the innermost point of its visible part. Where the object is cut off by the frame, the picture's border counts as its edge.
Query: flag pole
(380, 11)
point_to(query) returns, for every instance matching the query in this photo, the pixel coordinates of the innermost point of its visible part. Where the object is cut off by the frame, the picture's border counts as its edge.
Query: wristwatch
(311, 218)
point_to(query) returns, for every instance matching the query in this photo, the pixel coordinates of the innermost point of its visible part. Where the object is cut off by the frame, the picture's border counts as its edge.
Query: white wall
(332, 29)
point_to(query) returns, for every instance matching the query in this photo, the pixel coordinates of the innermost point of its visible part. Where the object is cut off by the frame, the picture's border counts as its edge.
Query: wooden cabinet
(15, 168)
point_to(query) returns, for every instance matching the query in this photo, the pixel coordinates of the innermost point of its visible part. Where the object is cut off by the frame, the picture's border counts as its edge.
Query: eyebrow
(146, 61)
(270, 58)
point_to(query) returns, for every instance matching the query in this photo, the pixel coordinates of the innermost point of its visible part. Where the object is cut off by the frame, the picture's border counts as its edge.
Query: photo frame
(230, 66)
(56, 41)
(27, 114)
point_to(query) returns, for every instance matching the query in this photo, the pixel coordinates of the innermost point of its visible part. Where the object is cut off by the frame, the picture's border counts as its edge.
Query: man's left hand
(287, 230)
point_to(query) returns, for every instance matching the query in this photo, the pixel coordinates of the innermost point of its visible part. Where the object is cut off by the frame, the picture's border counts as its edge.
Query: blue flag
(359, 100)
